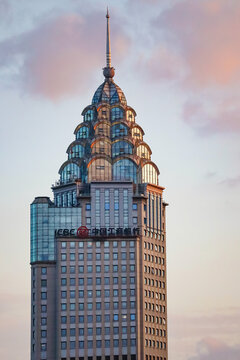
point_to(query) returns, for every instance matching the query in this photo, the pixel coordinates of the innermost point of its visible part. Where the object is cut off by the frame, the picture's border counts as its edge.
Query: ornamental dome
(110, 93)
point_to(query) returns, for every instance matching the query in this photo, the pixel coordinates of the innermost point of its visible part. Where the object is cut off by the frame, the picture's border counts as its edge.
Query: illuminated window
(149, 174)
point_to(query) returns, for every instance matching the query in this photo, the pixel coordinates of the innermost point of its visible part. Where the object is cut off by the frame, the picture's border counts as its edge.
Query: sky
(178, 63)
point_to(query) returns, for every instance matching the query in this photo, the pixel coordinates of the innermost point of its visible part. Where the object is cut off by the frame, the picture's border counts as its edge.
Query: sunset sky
(178, 63)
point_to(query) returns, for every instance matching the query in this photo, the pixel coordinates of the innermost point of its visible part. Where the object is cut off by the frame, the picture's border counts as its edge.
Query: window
(43, 283)
(115, 292)
(98, 268)
(115, 305)
(43, 270)
(72, 257)
(107, 330)
(43, 308)
(63, 281)
(81, 281)
(63, 294)
(98, 344)
(123, 255)
(43, 321)
(63, 332)
(98, 318)
(63, 319)
(98, 331)
(106, 281)
(115, 317)
(88, 207)
(72, 270)
(89, 256)
(63, 269)
(106, 293)
(81, 269)
(43, 333)
(72, 281)
(81, 256)
(107, 343)
(81, 306)
(72, 306)
(107, 318)
(115, 342)
(44, 347)
(72, 319)
(43, 295)
(134, 206)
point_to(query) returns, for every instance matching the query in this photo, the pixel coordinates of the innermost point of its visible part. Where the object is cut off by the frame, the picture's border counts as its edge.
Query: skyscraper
(98, 250)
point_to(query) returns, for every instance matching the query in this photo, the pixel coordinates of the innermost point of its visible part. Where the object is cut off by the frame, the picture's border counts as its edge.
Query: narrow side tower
(98, 250)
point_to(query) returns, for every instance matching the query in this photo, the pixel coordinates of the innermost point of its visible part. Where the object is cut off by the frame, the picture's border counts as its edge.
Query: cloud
(207, 33)
(212, 117)
(231, 182)
(186, 331)
(4, 8)
(201, 40)
(213, 349)
(59, 55)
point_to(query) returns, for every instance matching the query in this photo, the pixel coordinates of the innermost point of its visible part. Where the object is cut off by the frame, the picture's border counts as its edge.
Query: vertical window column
(97, 208)
(107, 208)
(125, 208)
(116, 208)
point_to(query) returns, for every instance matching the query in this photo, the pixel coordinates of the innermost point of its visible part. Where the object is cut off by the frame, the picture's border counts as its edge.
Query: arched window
(137, 133)
(149, 174)
(130, 116)
(101, 147)
(83, 132)
(121, 147)
(125, 169)
(143, 152)
(70, 172)
(102, 129)
(89, 115)
(119, 130)
(99, 169)
(77, 151)
(103, 113)
(116, 114)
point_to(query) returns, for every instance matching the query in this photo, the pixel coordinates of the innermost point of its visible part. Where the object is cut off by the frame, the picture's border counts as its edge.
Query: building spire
(108, 71)
(108, 44)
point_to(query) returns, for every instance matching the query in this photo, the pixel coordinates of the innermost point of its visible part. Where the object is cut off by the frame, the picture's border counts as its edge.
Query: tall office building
(98, 249)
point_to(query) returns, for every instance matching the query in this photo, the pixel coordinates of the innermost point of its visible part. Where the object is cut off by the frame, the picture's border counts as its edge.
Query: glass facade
(44, 221)
(125, 169)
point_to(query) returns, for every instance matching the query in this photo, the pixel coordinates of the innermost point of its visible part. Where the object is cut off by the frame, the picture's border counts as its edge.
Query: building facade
(98, 249)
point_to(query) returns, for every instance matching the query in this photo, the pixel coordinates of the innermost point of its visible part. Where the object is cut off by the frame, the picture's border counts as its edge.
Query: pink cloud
(59, 56)
(207, 34)
(216, 117)
(205, 60)
(213, 349)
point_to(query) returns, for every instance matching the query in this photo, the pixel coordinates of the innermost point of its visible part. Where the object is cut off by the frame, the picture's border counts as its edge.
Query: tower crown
(108, 144)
